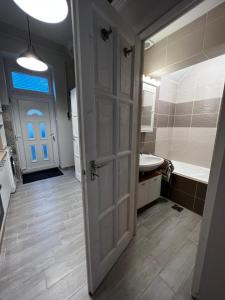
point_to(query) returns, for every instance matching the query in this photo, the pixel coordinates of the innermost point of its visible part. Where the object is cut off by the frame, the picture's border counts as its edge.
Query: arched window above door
(34, 112)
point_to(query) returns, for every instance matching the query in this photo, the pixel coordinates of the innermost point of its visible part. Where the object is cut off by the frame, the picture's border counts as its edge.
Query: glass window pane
(30, 131)
(45, 151)
(34, 112)
(23, 81)
(43, 130)
(33, 153)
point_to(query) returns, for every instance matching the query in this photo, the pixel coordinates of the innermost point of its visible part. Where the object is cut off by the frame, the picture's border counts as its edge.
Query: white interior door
(36, 134)
(76, 140)
(108, 77)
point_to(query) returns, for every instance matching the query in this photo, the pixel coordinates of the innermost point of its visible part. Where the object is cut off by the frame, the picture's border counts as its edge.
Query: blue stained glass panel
(43, 130)
(30, 131)
(34, 112)
(45, 152)
(23, 81)
(33, 153)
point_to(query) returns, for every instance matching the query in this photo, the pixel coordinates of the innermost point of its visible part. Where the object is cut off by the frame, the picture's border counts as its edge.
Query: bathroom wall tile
(140, 147)
(162, 148)
(189, 45)
(187, 30)
(209, 91)
(171, 121)
(181, 134)
(167, 90)
(185, 95)
(200, 146)
(215, 36)
(142, 137)
(162, 120)
(156, 106)
(216, 13)
(155, 116)
(150, 136)
(182, 121)
(155, 57)
(206, 106)
(164, 107)
(164, 133)
(201, 190)
(148, 148)
(172, 108)
(204, 120)
(184, 108)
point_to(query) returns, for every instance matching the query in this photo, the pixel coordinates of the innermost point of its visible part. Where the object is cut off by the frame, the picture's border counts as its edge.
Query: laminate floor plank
(43, 251)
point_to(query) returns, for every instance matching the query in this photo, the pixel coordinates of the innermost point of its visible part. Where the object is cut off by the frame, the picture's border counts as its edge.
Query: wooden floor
(43, 253)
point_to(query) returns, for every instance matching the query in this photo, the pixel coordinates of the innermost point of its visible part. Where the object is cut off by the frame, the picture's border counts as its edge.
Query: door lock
(93, 168)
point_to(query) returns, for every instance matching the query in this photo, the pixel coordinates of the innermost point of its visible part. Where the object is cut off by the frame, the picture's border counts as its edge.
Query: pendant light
(29, 59)
(49, 11)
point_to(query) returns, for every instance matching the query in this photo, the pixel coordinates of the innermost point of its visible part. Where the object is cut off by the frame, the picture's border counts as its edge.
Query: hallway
(43, 249)
(43, 253)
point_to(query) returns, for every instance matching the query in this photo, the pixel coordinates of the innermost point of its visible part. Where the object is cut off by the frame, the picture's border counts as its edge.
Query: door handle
(93, 168)
(53, 136)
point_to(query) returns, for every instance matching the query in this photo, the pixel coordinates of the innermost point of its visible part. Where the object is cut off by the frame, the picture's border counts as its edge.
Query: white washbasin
(148, 162)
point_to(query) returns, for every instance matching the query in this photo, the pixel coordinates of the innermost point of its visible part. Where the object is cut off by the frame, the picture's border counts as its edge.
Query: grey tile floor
(43, 252)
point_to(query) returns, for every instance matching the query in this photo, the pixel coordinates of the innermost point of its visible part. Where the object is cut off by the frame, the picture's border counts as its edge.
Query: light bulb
(49, 11)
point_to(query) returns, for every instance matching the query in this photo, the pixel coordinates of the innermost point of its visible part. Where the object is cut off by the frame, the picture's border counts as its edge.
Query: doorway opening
(96, 129)
(182, 95)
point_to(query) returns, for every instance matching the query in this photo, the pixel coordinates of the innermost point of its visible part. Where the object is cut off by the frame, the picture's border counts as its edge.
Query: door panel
(108, 114)
(125, 121)
(106, 187)
(126, 61)
(104, 60)
(105, 125)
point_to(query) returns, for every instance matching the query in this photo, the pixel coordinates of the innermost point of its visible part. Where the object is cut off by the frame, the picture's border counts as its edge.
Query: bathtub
(188, 186)
(190, 171)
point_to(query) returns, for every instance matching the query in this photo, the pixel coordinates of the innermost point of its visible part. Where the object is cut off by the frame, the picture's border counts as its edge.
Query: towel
(167, 169)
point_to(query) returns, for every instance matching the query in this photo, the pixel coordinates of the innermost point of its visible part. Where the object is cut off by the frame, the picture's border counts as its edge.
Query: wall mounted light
(29, 59)
(49, 11)
(150, 80)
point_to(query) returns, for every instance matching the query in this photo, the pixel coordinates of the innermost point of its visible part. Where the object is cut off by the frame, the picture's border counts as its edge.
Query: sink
(149, 162)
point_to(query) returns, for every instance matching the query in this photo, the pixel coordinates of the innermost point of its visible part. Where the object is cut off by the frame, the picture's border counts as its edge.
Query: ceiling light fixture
(49, 11)
(29, 59)
(150, 80)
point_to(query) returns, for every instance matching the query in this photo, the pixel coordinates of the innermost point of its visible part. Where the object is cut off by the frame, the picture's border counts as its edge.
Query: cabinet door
(143, 196)
(154, 188)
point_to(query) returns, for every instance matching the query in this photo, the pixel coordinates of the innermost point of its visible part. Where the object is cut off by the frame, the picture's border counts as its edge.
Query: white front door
(36, 134)
(108, 77)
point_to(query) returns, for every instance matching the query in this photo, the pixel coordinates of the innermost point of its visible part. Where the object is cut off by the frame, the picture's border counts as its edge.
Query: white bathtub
(191, 171)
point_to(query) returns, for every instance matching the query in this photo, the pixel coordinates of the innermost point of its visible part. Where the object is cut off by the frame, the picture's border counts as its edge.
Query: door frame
(18, 130)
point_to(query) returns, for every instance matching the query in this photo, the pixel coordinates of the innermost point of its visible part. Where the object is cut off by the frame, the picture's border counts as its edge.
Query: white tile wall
(202, 81)
(163, 142)
(168, 90)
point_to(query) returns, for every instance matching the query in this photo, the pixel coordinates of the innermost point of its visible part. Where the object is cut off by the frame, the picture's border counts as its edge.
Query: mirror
(148, 107)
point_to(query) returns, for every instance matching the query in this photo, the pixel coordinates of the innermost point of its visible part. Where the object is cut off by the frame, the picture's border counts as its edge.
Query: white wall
(12, 44)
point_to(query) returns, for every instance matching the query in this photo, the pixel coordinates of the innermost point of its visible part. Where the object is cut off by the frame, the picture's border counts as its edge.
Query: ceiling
(142, 13)
(139, 13)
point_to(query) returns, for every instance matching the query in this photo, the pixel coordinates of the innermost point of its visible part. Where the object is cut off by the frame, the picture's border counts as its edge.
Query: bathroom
(183, 82)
